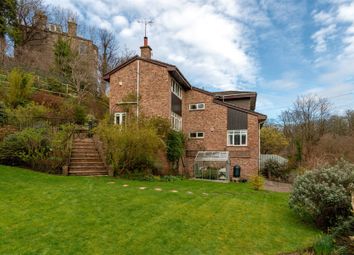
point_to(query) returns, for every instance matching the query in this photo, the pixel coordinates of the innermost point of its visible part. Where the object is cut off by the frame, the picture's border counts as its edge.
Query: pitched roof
(261, 117)
(173, 70)
(176, 73)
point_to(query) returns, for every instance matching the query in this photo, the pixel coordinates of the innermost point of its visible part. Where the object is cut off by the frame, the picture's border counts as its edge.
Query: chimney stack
(146, 50)
(40, 19)
(72, 26)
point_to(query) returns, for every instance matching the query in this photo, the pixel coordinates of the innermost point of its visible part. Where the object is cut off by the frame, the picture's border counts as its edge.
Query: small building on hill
(214, 122)
(42, 36)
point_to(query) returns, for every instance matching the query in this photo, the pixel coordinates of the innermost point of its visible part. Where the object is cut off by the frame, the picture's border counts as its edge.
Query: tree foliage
(63, 56)
(20, 87)
(175, 148)
(273, 141)
(131, 149)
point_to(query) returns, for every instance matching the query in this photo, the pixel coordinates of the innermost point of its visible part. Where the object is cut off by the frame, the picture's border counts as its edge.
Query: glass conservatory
(212, 165)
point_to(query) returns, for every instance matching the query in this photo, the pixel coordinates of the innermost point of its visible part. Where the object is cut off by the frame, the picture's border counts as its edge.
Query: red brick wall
(156, 101)
(154, 89)
(213, 122)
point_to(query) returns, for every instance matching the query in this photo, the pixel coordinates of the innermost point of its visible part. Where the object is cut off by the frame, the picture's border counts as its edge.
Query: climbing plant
(175, 143)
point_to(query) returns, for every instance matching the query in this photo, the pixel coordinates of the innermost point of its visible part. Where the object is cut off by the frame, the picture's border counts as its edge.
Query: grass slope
(44, 214)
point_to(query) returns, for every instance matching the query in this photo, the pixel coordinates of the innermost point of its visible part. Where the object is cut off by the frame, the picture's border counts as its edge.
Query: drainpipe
(259, 148)
(137, 89)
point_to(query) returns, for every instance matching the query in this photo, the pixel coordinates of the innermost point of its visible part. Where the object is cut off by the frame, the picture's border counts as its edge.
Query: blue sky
(280, 49)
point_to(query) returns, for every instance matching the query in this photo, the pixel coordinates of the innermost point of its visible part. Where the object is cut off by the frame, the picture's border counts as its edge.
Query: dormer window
(196, 107)
(176, 88)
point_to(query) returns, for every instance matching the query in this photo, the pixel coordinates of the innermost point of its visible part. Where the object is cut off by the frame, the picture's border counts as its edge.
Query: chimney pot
(146, 51)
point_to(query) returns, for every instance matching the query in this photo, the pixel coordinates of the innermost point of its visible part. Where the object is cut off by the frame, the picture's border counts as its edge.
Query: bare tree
(31, 16)
(110, 54)
(305, 122)
(82, 79)
(350, 119)
(61, 16)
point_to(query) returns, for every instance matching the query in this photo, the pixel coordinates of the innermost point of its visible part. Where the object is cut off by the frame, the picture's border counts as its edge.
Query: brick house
(212, 121)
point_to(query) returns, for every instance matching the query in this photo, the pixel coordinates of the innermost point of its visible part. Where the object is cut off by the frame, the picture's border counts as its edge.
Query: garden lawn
(46, 214)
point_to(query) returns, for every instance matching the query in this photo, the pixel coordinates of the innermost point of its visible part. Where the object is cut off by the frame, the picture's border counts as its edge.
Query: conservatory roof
(212, 156)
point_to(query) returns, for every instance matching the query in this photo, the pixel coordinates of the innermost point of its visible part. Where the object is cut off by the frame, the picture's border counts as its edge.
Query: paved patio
(277, 186)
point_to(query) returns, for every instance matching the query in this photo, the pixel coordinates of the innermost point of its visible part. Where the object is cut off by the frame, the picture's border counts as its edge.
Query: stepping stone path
(125, 185)
(190, 192)
(174, 191)
(142, 188)
(110, 182)
(205, 194)
(158, 189)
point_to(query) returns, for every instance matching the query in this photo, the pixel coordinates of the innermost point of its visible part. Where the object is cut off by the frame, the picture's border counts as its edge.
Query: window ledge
(236, 145)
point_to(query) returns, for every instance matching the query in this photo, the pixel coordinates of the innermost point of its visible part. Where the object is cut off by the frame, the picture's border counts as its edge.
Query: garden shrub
(160, 124)
(132, 148)
(80, 114)
(3, 114)
(71, 111)
(171, 178)
(324, 246)
(38, 148)
(25, 147)
(257, 182)
(274, 170)
(29, 115)
(324, 194)
(20, 87)
(175, 142)
(55, 85)
(342, 234)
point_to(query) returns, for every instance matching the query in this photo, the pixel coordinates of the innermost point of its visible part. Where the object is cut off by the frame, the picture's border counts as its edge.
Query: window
(120, 118)
(196, 107)
(176, 121)
(237, 137)
(176, 88)
(196, 135)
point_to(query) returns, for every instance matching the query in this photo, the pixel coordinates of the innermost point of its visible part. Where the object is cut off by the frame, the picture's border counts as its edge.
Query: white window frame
(176, 88)
(176, 121)
(234, 133)
(198, 107)
(120, 116)
(198, 135)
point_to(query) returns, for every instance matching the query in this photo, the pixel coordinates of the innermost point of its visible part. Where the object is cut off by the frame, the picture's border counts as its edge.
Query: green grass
(46, 214)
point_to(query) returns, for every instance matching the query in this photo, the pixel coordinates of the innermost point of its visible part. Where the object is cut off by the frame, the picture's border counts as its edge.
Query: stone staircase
(85, 159)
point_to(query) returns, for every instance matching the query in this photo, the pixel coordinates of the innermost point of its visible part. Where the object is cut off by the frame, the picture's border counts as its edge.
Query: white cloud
(209, 41)
(322, 36)
(288, 81)
(120, 21)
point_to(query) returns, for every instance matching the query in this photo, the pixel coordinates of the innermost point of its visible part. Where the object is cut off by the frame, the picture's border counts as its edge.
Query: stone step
(86, 164)
(85, 159)
(84, 144)
(76, 154)
(84, 149)
(86, 167)
(84, 173)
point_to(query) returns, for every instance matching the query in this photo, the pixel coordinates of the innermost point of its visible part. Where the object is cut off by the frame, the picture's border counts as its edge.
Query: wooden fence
(265, 157)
